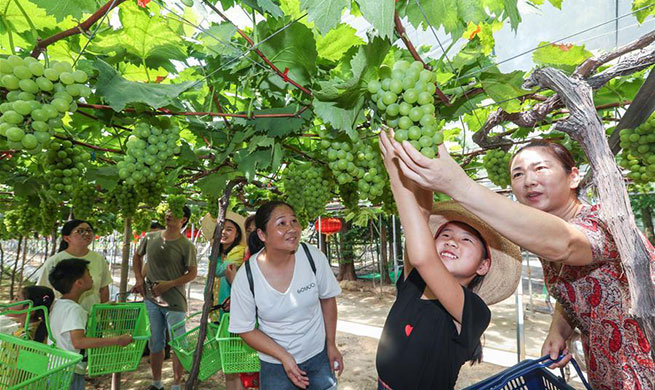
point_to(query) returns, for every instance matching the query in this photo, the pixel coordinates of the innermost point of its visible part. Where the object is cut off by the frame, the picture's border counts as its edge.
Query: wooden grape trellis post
(585, 126)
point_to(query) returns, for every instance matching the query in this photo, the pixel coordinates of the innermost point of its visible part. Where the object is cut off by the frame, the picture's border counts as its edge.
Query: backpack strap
(251, 283)
(309, 257)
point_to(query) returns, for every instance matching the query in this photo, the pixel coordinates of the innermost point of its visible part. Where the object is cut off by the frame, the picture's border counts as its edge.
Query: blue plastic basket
(529, 375)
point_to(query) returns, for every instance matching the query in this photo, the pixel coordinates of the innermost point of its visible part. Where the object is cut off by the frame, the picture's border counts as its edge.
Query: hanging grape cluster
(638, 154)
(64, 165)
(37, 100)
(308, 188)
(149, 148)
(22, 220)
(496, 162)
(359, 162)
(150, 192)
(123, 199)
(84, 196)
(176, 205)
(48, 212)
(405, 101)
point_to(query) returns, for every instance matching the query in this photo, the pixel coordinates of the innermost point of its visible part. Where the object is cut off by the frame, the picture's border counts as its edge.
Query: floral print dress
(597, 300)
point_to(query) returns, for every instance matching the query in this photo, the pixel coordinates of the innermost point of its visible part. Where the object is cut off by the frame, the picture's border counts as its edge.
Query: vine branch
(245, 36)
(80, 28)
(531, 118)
(87, 145)
(402, 33)
(164, 111)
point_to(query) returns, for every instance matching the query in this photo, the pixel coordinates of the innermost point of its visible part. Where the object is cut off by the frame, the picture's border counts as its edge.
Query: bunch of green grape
(83, 199)
(176, 205)
(308, 187)
(142, 220)
(149, 148)
(48, 212)
(211, 206)
(104, 223)
(38, 98)
(123, 199)
(405, 102)
(150, 192)
(357, 161)
(496, 162)
(638, 153)
(23, 220)
(64, 165)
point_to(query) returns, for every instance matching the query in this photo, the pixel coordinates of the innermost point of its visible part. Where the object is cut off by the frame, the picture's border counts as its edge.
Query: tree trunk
(22, 265)
(122, 289)
(384, 258)
(45, 250)
(2, 262)
(53, 250)
(223, 202)
(586, 128)
(13, 273)
(647, 217)
(346, 263)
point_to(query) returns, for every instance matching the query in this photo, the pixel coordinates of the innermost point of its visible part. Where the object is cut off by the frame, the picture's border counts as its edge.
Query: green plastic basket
(184, 346)
(115, 319)
(236, 355)
(30, 365)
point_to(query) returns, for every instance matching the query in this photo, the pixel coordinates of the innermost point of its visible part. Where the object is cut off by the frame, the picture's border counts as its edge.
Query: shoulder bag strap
(309, 257)
(251, 283)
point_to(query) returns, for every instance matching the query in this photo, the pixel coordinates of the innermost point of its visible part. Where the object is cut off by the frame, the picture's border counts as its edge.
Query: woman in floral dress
(582, 266)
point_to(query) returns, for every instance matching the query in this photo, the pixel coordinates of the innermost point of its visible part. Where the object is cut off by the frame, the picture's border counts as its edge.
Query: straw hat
(208, 225)
(505, 270)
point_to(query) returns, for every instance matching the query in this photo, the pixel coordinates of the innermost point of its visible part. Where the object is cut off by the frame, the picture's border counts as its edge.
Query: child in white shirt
(68, 319)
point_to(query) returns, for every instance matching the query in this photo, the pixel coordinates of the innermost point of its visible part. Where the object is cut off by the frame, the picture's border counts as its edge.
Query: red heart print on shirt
(408, 329)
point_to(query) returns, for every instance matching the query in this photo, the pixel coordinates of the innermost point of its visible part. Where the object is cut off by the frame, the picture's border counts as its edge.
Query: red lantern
(328, 225)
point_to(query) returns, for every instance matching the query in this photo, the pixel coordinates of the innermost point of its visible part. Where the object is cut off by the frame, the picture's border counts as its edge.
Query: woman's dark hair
(250, 219)
(237, 238)
(559, 151)
(262, 216)
(67, 230)
(40, 296)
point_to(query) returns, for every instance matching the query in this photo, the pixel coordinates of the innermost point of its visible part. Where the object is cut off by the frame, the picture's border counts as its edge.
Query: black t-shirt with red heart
(420, 347)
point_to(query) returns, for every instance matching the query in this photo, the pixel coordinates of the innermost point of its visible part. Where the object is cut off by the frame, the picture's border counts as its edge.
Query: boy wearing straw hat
(455, 265)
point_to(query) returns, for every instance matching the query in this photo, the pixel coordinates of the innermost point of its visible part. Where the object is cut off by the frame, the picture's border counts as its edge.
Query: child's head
(477, 255)
(39, 295)
(463, 251)
(69, 275)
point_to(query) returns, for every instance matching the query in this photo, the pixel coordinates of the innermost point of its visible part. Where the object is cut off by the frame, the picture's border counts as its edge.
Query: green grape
(638, 152)
(496, 162)
(176, 205)
(63, 164)
(31, 85)
(83, 199)
(308, 188)
(150, 147)
(123, 199)
(406, 100)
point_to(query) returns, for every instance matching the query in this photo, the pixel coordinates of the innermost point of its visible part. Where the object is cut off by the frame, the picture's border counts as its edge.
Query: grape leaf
(380, 14)
(562, 56)
(280, 127)
(501, 87)
(248, 163)
(644, 13)
(335, 43)
(471, 11)
(293, 48)
(326, 14)
(512, 11)
(118, 92)
(439, 13)
(270, 7)
(61, 9)
(340, 118)
(106, 177)
(16, 19)
(146, 35)
(217, 38)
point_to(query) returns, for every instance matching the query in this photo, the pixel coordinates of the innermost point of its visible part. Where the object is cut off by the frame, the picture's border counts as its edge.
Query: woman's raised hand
(441, 173)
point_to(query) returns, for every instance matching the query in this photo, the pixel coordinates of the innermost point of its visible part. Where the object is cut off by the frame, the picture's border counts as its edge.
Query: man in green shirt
(171, 265)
